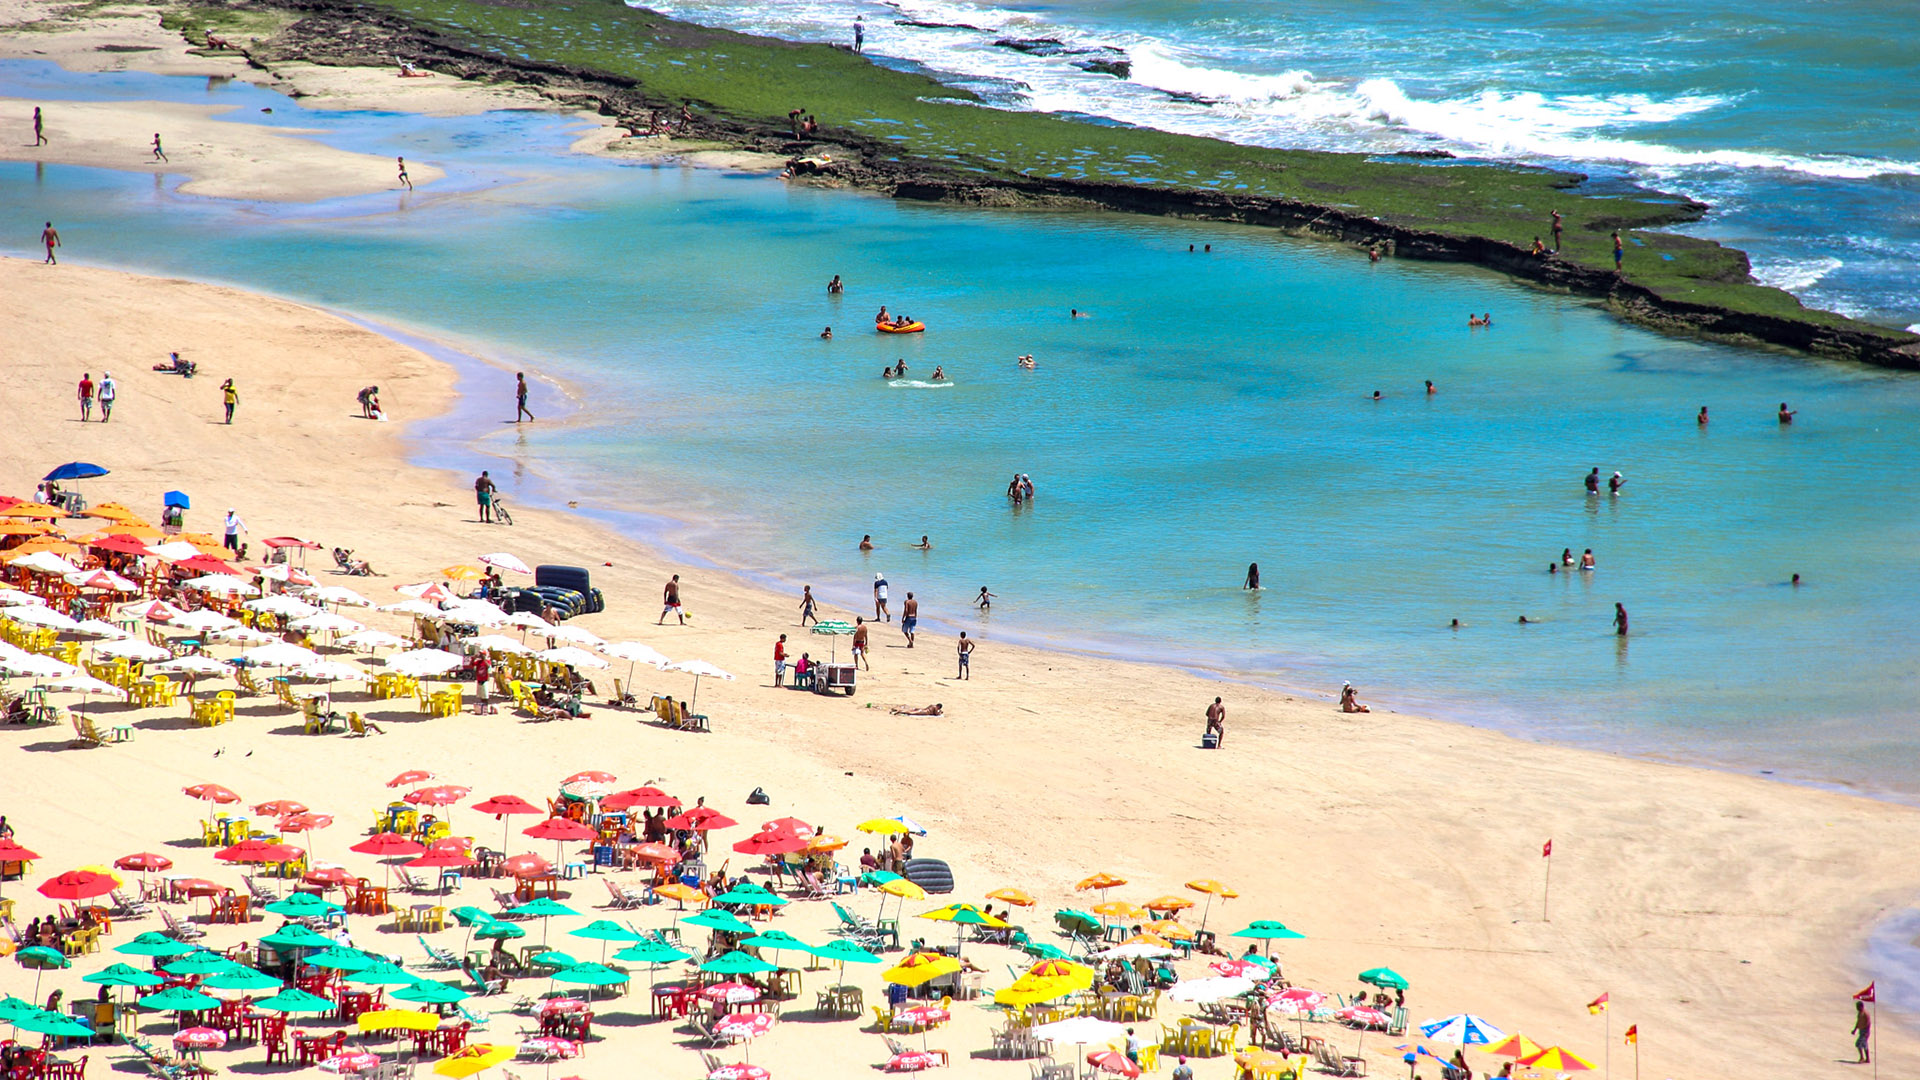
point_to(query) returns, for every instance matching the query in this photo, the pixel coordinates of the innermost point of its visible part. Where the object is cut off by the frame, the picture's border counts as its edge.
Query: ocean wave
(1794, 275)
(918, 384)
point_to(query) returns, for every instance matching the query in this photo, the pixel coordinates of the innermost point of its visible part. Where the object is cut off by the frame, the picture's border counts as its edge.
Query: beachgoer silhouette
(1253, 576)
(520, 396)
(404, 178)
(158, 154)
(50, 237)
(39, 136)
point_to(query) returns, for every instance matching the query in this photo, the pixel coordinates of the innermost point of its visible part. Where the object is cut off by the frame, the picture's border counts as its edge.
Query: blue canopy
(75, 470)
(179, 499)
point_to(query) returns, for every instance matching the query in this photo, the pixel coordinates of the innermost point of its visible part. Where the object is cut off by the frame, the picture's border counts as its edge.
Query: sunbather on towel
(934, 709)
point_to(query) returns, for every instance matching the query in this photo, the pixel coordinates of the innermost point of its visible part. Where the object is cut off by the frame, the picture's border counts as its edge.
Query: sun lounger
(483, 987)
(857, 930)
(618, 897)
(179, 930)
(437, 959)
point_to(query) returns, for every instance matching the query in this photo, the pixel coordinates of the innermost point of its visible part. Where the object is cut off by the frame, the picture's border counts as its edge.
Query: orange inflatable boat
(909, 328)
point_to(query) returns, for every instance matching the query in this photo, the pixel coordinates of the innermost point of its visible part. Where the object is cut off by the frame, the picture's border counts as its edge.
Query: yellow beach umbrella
(1102, 881)
(21, 528)
(1027, 990)
(1170, 930)
(964, 913)
(1555, 1059)
(398, 1020)
(920, 968)
(1046, 981)
(1154, 940)
(114, 511)
(680, 891)
(904, 889)
(1168, 903)
(473, 1058)
(1011, 896)
(1120, 909)
(1515, 1045)
(463, 572)
(882, 826)
(1212, 889)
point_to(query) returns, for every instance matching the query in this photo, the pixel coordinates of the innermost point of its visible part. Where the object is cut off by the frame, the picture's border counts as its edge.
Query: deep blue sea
(1796, 120)
(1215, 410)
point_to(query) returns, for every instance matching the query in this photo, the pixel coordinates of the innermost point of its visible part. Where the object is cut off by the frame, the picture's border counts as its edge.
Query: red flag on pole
(1633, 1033)
(1597, 1005)
(1865, 995)
(1546, 850)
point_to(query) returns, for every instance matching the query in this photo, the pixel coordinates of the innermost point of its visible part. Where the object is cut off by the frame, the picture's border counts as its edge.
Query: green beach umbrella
(605, 930)
(544, 908)
(122, 975)
(1267, 930)
(40, 956)
(295, 936)
(12, 1008)
(302, 905)
(778, 941)
(340, 958)
(176, 1000)
(242, 978)
(296, 1001)
(1384, 977)
(843, 952)
(42, 1022)
(719, 920)
(155, 943)
(468, 915)
(877, 878)
(1045, 950)
(653, 954)
(552, 958)
(205, 962)
(737, 963)
(590, 975)
(430, 993)
(382, 973)
(501, 930)
(751, 894)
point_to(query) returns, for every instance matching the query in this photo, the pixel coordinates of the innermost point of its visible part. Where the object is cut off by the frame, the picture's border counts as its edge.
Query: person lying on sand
(1349, 701)
(934, 709)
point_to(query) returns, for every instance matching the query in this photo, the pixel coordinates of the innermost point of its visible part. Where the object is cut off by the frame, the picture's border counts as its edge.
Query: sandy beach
(1723, 914)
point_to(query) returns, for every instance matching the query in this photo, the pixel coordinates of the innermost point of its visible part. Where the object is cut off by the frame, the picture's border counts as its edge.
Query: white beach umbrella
(289, 575)
(1215, 988)
(572, 657)
(326, 622)
(242, 635)
(633, 652)
(101, 579)
(13, 597)
(132, 649)
(40, 616)
(425, 590)
(28, 665)
(414, 607)
(197, 666)
(174, 550)
(1134, 949)
(46, 562)
(280, 654)
(497, 643)
(328, 671)
(526, 620)
(202, 621)
(372, 639)
(338, 594)
(83, 684)
(220, 584)
(157, 610)
(98, 628)
(698, 669)
(281, 604)
(506, 562)
(576, 635)
(418, 662)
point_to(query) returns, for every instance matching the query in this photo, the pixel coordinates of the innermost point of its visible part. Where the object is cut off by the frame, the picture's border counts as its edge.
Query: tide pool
(1213, 411)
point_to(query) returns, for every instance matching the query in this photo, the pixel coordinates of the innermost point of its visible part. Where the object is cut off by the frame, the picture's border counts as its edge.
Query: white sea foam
(918, 384)
(1794, 275)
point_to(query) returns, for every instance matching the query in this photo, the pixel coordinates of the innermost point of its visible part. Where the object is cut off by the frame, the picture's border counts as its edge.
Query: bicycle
(500, 511)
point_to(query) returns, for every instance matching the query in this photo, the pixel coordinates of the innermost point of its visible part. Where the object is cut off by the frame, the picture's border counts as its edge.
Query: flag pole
(1547, 890)
(1608, 1063)
(1636, 1059)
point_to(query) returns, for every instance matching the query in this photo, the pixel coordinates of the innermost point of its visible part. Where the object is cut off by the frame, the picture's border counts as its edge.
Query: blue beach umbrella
(75, 470)
(1463, 1029)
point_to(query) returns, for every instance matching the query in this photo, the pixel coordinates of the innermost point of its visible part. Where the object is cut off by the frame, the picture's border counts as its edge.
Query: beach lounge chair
(810, 887)
(437, 959)
(482, 987)
(178, 930)
(124, 908)
(83, 733)
(244, 679)
(507, 902)
(618, 897)
(413, 884)
(857, 930)
(258, 891)
(900, 1050)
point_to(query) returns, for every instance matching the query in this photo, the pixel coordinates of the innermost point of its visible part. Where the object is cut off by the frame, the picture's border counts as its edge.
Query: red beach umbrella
(139, 862)
(280, 808)
(212, 793)
(78, 885)
(411, 776)
(789, 824)
(528, 865)
(740, 1071)
(120, 543)
(304, 822)
(501, 806)
(207, 564)
(771, 842)
(12, 852)
(442, 860)
(560, 829)
(255, 850)
(640, 796)
(388, 844)
(1114, 1062)
(327, 876)
(594, 775)
(439, 795)
(656, 853)
(701, 819)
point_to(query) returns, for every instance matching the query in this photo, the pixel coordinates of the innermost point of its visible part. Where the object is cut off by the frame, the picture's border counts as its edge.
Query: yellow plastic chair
(163, 690)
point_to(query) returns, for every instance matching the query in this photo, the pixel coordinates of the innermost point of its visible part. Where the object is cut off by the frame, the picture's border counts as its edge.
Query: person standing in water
(834, 287)
(1253, 577)
(50, 236)
(1593, 481)
(1619, 619)
(985, 600)
(910, 617)
(520, 396)
(158, 154)
(1615, 483)
(1702, 418)
(404, 178)
(1786, 414)
(39, 135)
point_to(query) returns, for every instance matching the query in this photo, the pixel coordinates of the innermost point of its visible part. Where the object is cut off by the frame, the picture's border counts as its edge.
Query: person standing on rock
(1556, 231)
(859, 35)
(1619, 250)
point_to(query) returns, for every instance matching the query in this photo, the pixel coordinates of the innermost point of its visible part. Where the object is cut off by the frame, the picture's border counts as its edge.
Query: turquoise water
(1213, 411)
(1794, 119)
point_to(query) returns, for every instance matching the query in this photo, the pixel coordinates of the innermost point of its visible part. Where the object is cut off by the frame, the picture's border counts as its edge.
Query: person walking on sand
(1619, 619)
(860, 642)
(807, 605)
(404, 178)
(39, 134)
(231, 396)
(234, 527)
(780, 662)
(483, 489)
(1217, 722)
(670, 602)
(1556, 230)
(50, 236)
(910, 618)
(108, 391)
(966, 657)
(880, 598)
(158, 154)
(520, 396)
(1862, 1031)
(86, 396)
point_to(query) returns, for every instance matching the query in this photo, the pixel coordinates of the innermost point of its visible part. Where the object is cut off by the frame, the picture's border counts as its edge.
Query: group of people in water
(1020, 488)
(882, 319)
(898, 370)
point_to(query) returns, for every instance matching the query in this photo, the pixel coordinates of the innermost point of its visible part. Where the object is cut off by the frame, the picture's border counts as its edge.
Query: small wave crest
(918, 384)
(1794, 275)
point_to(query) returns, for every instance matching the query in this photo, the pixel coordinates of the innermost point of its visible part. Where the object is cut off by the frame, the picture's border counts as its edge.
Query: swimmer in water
(1593, 481)
(1027, 362)
(882, 317)
(1796, 581)
(985, 600)
(1786, 414)
(1076, 313)
(1455, 626)
(866, 542)
(1586, 560)
(900, 369)
(1431, 390)
(1524, 621)
(1566, 556)
(834, 286)
(887, 372)
(939, 373)
(1553, 568)
(1614, 485)
(1376, 395)
(827, 334)
(1472, 319)
(1702, 418)
(923, 545)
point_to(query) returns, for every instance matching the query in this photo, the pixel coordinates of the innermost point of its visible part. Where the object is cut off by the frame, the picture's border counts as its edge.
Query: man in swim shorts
(966, 657)
(909, 618)
(670, 602)
(860, 643)
(880, 598)
(483, 492)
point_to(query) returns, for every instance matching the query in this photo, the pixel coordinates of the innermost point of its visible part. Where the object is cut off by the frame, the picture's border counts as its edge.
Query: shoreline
(1375, 819)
